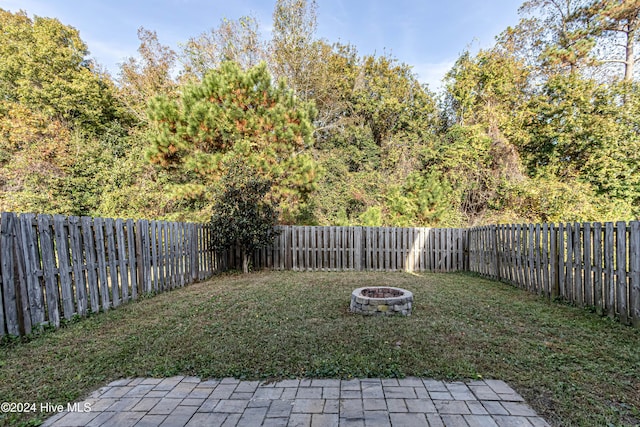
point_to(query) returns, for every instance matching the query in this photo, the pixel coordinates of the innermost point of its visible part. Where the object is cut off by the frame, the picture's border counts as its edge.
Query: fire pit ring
(381, 301)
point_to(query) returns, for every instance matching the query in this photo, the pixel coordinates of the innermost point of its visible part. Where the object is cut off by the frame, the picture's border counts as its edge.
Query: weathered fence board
(578, 294)
(153, 237)
(112, 261)
(587, 264)
(64, 267)
(53, 267)
(331, 248)
(597, 268)
(132, 264)
(77, 263)
(88, 239)
(545, 260)
(168, 267)
(24, 315)
(621, 272)
(33, 269)
(570, 280)
(10, 319)
(609, 290)
(49, 269)
(102, 263)
(57, 266)
(537, 259)
(122, 260)
(634, 267)
(588, 269)
(178, 254)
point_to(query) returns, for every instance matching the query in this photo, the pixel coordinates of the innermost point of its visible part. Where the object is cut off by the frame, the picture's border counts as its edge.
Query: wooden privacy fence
(56, 267)
(53, 268)
(587, 264)
(310, 248)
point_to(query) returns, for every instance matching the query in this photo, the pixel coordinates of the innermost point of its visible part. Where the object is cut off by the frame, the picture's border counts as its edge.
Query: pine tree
(234, 114)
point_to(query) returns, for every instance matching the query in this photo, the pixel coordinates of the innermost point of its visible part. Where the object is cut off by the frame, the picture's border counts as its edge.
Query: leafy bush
(243, 217)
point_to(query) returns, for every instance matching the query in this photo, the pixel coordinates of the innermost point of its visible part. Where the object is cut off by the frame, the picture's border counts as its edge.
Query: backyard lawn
(572, 366)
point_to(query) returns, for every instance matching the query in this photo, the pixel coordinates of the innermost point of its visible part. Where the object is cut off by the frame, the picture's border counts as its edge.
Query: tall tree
(490, 88)
(580, 131)
(390, 98)
(59, 118)
(491, 91)
(554, 36)
(397, 111)
(292, 53)
(44, 65)
(330, 83)
(233, 40)
(147, 76)
(387, 118)
(618, 23)
(234, 114)
(485, 110)
(35, 158)
(466, 158)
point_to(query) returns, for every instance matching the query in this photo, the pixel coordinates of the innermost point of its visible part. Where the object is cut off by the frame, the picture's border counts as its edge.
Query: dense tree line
(543, 126)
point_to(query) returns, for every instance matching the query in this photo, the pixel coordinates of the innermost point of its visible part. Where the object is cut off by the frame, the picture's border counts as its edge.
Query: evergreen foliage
(234, 114)
(243, 216)
(543, 126)
(420, 201)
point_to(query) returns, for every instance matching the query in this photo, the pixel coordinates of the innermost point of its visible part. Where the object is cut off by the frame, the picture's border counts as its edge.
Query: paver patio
(190, 401)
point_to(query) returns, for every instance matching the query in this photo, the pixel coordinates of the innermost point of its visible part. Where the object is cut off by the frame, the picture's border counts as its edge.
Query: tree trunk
(630, 59)
(245, 261)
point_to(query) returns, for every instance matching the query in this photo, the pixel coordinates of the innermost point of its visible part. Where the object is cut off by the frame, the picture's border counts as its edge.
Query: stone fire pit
(381, 301)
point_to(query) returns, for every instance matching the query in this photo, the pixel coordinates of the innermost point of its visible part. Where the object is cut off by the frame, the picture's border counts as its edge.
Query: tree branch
(617, 61)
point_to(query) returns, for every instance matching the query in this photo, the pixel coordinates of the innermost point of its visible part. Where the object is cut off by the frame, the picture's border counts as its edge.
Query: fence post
(48, 267)
(562, 276)
(9, 292)
(465, 249)
(553, 258)
(139, 258)
(496, 251)
(634, 268)
(21, 276)
(597, 258)
(621, 264)
(358, 248)
(32, 261)
(609, 277)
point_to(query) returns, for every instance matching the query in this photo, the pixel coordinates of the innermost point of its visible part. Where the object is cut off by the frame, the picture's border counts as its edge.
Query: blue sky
(427, 34)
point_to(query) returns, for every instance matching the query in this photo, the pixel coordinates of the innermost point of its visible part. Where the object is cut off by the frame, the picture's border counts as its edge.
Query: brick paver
(188, 401)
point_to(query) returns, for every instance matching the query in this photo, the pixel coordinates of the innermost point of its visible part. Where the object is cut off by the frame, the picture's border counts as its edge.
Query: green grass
(572, 366)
